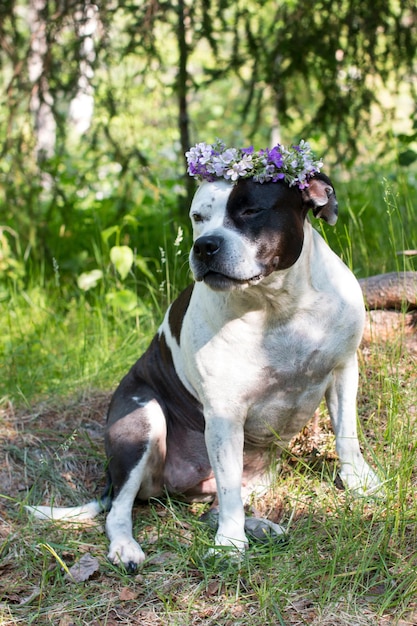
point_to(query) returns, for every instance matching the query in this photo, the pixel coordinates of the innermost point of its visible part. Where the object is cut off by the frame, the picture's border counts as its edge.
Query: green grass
(352, 560)
(347, 561)
(57, 338)
(49, 351)
(376, 222)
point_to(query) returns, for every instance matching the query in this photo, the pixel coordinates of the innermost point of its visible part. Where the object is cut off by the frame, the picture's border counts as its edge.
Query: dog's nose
(206, 247)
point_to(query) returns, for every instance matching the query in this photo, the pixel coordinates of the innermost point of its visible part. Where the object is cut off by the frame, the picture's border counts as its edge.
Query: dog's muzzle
(209, 264)
(205, 248)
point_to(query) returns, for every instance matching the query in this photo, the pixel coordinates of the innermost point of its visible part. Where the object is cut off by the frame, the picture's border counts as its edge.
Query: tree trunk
(182, 90)
(81, 107)
(41, 101)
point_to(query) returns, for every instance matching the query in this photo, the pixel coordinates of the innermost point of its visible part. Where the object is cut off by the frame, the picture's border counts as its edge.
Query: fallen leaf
(28, 599)
(66, 620)
(127, 594)
(12, 598)
(214, 588)
(161, 558)
(301, 604)
(83, 569)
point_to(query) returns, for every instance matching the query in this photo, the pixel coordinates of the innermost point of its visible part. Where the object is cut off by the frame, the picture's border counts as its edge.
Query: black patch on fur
(153, 377)
(177, 311)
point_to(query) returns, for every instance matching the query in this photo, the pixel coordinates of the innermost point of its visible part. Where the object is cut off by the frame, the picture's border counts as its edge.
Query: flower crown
(293, 165)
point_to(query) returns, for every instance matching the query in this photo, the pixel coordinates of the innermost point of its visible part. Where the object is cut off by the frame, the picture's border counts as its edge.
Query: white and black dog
(240, 363)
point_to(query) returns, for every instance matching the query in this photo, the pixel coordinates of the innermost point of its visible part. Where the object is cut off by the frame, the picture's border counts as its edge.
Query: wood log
(394, 291)
(391, 302)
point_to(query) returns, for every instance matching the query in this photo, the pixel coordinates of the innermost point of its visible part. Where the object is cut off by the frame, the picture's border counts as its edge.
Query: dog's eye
(251, 212)
(197, 217)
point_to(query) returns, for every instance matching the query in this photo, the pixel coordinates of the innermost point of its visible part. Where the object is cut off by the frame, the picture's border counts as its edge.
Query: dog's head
(245, 231)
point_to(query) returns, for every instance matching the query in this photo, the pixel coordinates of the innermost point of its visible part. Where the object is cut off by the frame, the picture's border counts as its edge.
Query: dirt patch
(68, 436)
(54, 453)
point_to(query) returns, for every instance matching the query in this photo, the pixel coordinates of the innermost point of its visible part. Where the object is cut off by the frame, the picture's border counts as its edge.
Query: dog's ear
(321, 198)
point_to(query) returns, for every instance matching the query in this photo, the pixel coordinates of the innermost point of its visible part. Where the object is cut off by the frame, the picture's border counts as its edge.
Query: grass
(49, 351)
(348, 561)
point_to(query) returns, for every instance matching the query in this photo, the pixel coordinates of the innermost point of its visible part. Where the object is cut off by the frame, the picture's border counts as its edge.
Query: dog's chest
(270, 375)
(287, 377)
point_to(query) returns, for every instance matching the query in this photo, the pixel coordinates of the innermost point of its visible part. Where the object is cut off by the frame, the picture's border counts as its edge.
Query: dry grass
(347, 562)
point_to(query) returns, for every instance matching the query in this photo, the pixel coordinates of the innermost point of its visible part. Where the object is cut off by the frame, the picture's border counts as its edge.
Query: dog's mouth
(219, 281)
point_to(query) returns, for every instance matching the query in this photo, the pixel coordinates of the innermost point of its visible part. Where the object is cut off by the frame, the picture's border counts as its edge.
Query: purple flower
(275, 157)
(293, 165)
(278, 176)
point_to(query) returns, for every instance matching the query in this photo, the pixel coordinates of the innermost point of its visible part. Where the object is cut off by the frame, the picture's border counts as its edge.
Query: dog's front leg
(224, 440)
(341, 401)
(124, 550)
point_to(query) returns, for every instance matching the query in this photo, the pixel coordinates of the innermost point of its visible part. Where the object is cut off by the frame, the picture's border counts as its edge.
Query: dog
(242, 360)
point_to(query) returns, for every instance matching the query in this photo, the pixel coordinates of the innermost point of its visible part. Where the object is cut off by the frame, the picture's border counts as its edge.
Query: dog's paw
(224, 545)
(127, 553)
(231, 544)
(362, 481)
(263, 530)
(229, 553)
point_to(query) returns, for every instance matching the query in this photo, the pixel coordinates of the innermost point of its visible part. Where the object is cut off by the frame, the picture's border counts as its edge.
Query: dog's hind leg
(355, 473)
(136, 448)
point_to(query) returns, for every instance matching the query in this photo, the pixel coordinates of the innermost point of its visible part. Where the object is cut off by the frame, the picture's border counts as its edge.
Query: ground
(344, 563)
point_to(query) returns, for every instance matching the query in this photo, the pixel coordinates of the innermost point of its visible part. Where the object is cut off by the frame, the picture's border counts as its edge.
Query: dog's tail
(81, 513)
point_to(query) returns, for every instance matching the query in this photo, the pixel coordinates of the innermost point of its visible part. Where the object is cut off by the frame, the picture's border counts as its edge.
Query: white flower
(293, 165)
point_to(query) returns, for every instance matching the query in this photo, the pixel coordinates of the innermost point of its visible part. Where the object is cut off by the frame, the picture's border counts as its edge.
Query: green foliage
(250, 69)
(93, 246)
(86, 317)
(376, 223)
